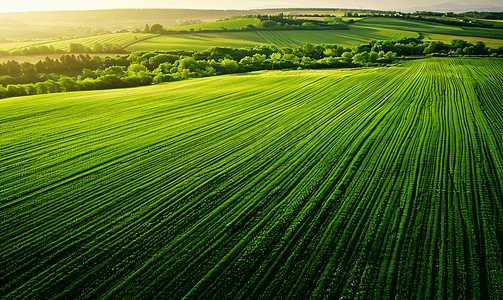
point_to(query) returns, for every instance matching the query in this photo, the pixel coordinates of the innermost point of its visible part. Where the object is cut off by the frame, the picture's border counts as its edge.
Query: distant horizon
(226, 5)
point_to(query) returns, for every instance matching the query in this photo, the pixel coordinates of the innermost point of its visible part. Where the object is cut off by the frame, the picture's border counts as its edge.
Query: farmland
(362, 31)
(120, 39)
(492, 43)
(357, 183)
(429, 27)
(202, 41)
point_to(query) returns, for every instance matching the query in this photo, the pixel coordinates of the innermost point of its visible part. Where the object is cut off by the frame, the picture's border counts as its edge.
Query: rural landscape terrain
(251, 154)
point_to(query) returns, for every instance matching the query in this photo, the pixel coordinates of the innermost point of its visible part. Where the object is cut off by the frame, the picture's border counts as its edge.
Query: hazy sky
(48, 5)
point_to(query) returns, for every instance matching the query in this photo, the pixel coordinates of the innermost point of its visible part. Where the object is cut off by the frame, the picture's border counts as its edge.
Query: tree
(69, 84)
(135, 68)
(156, 28)
(42, 88)
(147, 29)
(114, 71)
(374, 56)
(229, 66)
(347, 55)
(268, 24)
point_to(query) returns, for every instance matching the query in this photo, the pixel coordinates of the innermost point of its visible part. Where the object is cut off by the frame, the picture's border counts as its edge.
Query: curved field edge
(347, 183)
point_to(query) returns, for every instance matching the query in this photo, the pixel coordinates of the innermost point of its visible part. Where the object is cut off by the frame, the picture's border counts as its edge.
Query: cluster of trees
(156, 28)
(112, 77)
(144, 68)
(13, 72)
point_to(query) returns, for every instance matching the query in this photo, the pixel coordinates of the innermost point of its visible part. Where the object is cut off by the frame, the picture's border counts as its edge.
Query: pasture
(356, 183)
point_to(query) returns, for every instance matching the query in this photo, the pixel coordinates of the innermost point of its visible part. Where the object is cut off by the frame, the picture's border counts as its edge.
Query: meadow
(447, 39)
(352, 184)
(290, 38)
(430, 27)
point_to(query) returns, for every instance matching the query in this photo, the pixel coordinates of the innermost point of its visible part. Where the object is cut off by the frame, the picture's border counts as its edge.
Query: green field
(293, 38)
(409, 25)
(121, 39)
(372, 183)
(492, 43)
(430, 27)
(363, 31)
(229, 24)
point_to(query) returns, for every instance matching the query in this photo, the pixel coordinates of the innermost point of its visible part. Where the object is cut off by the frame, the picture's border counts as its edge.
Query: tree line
(82, 72)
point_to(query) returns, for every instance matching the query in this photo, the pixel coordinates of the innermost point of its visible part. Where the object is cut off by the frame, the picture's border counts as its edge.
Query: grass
(229, 24)
(429, 27)
(409, 25)
(373, 183)
(434, 31)
(121, 39)
(492, 43)
(201, 41)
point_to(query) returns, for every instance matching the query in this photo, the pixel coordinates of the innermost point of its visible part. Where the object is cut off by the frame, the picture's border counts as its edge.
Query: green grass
(430, 27)
(377, 182)
(121, 39)
(229, 24)
(201, 41)
(492, 43)
(409, 25)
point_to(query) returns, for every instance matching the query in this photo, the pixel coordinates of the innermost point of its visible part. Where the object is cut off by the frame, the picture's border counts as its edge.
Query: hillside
(359, 183)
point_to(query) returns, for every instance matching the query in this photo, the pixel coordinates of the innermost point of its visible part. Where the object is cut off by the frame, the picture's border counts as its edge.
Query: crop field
(413, 25)
(121, 39)
(368, 183)
(294, 38)
(430, 27)
(229, 24)
(492, 43)
(346, 38)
